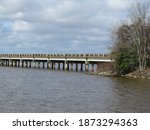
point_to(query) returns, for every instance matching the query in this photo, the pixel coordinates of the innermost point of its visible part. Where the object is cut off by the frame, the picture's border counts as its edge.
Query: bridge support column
(6, 63)
(58, 65)
(48, 65)
(54, 65)
(2, 62)
(76, 66)
(92, 67)
(16, 63)
(34, 64)
(22, 63)
(71, 66)
(43, 64)
(26, 64)
(63, 65)
(19, 63)
(81, 67)
(13, 64)
(86, 66)
(9, 64)
(30, 64)
(38, 64)
(66, 65)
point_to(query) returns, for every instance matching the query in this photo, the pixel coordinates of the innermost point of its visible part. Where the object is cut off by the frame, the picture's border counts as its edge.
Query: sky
(59, 26)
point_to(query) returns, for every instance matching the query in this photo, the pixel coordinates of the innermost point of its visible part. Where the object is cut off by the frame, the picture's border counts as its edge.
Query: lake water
(38, 90)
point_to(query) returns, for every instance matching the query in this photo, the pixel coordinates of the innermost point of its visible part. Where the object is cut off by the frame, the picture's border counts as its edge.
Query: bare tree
(139, 31)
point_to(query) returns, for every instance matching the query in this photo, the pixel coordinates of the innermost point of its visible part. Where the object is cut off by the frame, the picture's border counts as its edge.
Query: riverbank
(135, 74)
(138, 74)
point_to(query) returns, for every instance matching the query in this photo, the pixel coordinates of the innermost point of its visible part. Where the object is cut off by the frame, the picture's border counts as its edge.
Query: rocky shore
(136, 74)
(108, 73)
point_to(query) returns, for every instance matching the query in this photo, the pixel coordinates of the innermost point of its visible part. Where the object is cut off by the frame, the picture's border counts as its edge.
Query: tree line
(131, 48)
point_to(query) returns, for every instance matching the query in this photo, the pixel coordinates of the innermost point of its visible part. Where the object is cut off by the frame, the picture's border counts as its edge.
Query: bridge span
(77, 62)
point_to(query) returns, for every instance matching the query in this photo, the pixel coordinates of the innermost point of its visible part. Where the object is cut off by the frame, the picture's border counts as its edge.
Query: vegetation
(131, 48)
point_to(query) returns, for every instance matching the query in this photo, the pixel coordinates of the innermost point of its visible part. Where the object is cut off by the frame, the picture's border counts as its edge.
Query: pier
(68, 62)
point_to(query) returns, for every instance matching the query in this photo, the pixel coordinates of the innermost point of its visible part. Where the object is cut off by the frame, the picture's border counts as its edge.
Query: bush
(126, 61)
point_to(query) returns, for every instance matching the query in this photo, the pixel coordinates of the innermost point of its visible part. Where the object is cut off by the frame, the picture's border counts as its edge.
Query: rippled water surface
(37, 90)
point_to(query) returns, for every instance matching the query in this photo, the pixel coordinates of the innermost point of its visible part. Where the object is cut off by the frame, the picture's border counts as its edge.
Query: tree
(139, 31)
(134, 38)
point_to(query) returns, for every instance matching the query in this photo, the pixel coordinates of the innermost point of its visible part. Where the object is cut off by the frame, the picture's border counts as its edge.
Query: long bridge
(77, 62)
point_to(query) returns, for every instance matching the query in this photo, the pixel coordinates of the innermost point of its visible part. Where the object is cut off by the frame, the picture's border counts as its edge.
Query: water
(37, 90)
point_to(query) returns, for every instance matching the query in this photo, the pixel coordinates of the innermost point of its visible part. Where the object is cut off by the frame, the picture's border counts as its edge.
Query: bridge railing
(102, 56)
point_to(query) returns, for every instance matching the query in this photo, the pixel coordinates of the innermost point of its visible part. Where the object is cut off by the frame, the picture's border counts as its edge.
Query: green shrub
(126, 61)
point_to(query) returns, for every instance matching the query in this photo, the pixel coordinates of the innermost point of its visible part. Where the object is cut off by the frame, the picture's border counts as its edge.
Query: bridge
(77, 62)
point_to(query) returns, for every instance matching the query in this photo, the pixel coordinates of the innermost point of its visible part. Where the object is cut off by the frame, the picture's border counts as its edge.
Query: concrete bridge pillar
(71, 66)
(38, 64)
(30, 64)
(76, 66)
(43, 64)
(48, 65)
(66, 65)
(58, 65)
(81, 67)
(26, 64)
(22, 63)
(92, 67)
(9, 64)
(3, 63)
(18, 63)
(86, 66)
(63, 66)
(54, 65)
(34, 64)
(13, 63)
(6, 63)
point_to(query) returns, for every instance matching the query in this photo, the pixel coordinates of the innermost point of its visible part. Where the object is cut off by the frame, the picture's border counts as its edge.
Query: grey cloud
(30, 26)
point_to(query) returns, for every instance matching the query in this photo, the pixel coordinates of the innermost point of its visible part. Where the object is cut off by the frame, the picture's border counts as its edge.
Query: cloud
(55, 26)
(22, 26)
(118, 5)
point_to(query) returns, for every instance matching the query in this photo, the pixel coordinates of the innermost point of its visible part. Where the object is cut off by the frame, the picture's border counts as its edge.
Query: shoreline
(135, 74)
